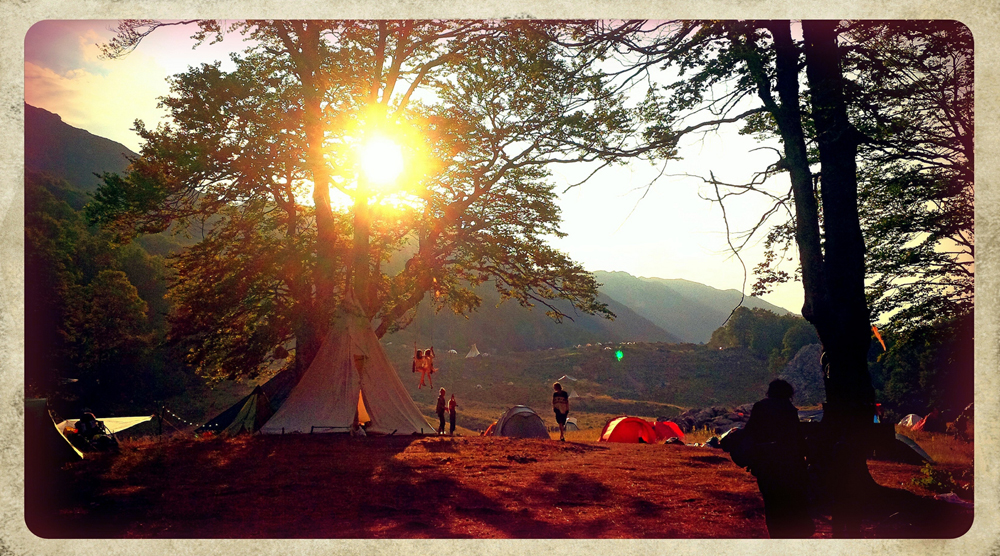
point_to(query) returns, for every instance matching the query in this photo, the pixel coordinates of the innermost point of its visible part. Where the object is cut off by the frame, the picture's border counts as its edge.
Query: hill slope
(73, 154)
(507, 327)
(687, 309)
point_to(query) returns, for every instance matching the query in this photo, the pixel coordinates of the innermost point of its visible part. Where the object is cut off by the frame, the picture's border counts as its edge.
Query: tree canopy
(262, 162)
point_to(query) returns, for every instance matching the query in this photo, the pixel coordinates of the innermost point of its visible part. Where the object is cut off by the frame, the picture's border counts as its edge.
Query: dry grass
(944, 448)
(333, 486)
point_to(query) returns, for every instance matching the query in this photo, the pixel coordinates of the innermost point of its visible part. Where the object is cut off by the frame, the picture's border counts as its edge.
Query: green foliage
(89, 332)
(941, 481)
(764, 333)
(910, 93)
(926, 367)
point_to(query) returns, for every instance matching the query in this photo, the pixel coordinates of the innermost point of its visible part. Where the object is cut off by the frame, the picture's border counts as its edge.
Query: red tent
(667, 429)
(628, 429)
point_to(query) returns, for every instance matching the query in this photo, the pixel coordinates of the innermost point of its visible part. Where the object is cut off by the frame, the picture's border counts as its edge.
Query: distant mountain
(686, 309)
(73, 154)
(510, 327)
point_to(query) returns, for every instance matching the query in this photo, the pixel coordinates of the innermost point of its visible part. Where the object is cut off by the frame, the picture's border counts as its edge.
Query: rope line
(181, 419)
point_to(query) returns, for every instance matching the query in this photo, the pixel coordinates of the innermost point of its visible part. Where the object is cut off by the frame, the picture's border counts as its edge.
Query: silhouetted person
(931, 423)
(440, 410)
(779, 464)
(560, 405)
(452, 406)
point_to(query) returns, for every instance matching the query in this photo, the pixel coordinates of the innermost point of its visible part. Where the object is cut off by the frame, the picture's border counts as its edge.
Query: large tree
(799, 83)
(910, 94)
(479, 110)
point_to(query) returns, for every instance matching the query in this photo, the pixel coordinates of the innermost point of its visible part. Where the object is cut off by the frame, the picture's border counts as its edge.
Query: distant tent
(520, 422)
(452, 352)
(629, 430)
(573, 394)
(667, 429)
(571, 424)
(474, 352)
(910, 420)
(44, 445)
(350, 380)
(255, 412)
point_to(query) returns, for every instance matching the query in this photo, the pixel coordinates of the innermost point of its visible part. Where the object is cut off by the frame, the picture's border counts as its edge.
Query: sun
(382, 160)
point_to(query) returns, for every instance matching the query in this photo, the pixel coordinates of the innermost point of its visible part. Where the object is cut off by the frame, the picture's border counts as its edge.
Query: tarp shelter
(113, 424)
(520, 422)
(474, 352)
(349, 380)
(667, 429)
(910, 420)
(44, 445)
(629, 430)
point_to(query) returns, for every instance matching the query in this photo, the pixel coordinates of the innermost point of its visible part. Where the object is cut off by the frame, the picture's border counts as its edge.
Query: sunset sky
(670, 233)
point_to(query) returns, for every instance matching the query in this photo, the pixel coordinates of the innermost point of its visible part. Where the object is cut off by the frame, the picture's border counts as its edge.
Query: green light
(619, 354)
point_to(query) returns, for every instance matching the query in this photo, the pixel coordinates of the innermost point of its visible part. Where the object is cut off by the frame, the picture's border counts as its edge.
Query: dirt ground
(333, 486)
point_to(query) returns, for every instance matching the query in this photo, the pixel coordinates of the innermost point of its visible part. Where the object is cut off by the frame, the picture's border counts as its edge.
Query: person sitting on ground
(933, 422)
(560, 405)
(93, 435)
(778, 462)
(88, 426)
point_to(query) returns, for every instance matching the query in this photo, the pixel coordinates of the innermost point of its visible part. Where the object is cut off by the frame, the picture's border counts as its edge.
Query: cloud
(104, 97)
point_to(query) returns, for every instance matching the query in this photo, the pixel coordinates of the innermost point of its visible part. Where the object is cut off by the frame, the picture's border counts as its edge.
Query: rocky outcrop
(805, 374)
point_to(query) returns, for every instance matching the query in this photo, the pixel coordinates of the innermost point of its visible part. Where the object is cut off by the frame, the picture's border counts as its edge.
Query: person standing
(560, 404)
(452, 406)
(778, 462)
(440, 410)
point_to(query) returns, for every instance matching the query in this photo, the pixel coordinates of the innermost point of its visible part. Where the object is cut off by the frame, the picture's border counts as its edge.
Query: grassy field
(334, 486)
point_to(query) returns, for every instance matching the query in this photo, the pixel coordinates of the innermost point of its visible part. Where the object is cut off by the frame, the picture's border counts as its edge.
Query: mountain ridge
(688, 309)
(71, 153)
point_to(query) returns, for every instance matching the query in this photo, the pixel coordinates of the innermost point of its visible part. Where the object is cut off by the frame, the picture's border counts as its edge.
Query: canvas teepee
(252, 416)
(474, 352)
(349, 380)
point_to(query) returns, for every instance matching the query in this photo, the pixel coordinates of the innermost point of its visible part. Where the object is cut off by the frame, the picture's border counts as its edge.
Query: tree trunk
(360, 267)
(843, 324)
(789, 119)
(304, 51)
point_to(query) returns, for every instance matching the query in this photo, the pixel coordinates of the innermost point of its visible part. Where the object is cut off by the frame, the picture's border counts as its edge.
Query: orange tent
(667, 429)
(628, 429)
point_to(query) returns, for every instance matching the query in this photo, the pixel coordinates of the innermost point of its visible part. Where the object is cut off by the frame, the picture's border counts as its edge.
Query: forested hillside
(690, 310)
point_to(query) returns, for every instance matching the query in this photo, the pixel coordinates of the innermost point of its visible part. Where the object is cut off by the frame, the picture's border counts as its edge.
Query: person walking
(560, 404)
(440, 410)
(778, 462)
(452, 406)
